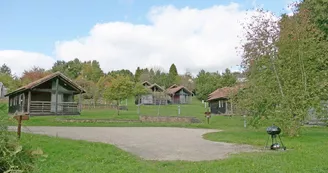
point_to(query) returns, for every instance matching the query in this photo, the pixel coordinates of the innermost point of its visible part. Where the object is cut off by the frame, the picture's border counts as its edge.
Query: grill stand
(274, 142)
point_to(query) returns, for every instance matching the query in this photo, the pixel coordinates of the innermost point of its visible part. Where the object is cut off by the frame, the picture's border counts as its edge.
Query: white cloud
(191, 38)
(19, 61)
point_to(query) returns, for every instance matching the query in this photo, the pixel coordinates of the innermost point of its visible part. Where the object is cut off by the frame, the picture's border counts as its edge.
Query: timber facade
(51, 95)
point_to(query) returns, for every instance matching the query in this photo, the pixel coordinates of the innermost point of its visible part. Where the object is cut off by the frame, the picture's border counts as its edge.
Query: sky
(125, 34)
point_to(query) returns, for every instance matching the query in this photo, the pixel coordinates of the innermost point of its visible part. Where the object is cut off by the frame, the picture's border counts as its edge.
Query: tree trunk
(118, 107)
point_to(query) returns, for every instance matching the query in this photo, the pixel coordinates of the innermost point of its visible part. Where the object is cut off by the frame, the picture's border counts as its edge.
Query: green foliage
(137, 75)
(91, 71)
(10, 82)
(71, 69)
(139, 89)
(121, 87)
(318, 13)
(206, 83)
(13, 156)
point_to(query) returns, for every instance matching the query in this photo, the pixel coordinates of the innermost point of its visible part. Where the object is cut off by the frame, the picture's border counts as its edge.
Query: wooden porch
(51, 95)
(49, 108)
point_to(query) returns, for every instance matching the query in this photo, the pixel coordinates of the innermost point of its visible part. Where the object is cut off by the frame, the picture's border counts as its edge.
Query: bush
(14, 157)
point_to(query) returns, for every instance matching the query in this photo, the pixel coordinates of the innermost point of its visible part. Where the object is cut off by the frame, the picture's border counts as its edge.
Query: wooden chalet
(219, 100)
(179, 94)
(50, 95)
(156, 97)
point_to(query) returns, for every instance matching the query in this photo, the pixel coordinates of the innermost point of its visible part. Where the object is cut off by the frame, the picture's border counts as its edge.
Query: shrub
(14, 157)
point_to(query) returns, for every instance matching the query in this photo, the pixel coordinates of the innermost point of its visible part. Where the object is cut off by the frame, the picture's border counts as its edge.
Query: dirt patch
(97, 121)
(150, 143)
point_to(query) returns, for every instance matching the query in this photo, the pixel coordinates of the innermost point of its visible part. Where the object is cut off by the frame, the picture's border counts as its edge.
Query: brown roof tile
(45, 79)
(224, 92)
(176, 89)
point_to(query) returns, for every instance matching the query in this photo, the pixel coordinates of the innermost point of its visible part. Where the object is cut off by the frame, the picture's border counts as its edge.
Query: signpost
(20, 118)
(208, 116)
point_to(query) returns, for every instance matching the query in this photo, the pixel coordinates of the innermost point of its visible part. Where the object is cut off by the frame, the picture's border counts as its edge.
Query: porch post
(226, 107)
(56, 104)
(29, 101)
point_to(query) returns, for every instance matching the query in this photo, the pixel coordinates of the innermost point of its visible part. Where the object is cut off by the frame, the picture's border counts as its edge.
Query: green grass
(307, 153)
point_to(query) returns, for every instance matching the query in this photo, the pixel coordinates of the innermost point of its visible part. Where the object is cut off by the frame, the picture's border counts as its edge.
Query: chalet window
(10, 101)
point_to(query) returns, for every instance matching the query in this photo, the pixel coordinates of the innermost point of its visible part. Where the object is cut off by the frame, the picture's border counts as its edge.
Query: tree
(173, 70)
(33, 74)
(5, 69)
(91, 71)
(206, 83)
(123, 72)
(10, 82)
(139, 90)
(228, 79)
(121, 87)
(285, 63)
(173, 77)
(137, 75)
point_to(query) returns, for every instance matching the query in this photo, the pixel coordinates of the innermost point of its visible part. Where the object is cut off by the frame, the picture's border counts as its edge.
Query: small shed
(50, 95)
(219, 100)
(179, 94)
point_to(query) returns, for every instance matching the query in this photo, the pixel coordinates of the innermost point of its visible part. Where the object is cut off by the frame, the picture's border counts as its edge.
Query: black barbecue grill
(274, 131)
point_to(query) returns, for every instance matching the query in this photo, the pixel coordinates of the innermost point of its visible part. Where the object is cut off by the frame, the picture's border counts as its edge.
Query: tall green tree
(137, 75)
(228, 79)
(120, 88)
(206, 83)
(5, 69)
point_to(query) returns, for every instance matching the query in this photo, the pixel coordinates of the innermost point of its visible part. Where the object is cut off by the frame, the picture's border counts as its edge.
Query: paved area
(150, 143)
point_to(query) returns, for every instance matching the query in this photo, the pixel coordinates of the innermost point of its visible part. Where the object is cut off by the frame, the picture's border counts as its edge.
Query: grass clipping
(14, 157)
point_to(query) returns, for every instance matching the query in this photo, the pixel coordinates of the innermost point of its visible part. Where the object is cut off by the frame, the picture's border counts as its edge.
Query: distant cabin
(179, 94)
(50, 95)
(156, 97)
(219, 100)
(3, 90)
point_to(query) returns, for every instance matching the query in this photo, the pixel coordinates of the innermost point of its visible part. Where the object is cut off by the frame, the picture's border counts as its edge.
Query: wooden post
(19, 118)
(19, 128)
(29, 101)
(56, 104)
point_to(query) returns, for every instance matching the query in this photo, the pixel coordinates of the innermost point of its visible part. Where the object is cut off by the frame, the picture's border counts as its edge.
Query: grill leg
(283, 146)
(266, 144)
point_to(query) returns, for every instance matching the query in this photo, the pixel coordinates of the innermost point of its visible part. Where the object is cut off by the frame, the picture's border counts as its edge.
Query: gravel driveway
(150, 143)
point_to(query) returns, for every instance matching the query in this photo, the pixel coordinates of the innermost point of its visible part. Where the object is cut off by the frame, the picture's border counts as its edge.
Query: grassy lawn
(307, 153)
(195, 109)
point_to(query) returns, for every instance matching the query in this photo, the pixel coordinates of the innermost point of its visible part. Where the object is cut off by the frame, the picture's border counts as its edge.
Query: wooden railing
(46, 107)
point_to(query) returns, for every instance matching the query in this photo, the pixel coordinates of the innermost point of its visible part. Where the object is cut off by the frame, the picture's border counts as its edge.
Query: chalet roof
(156, 85)
(173, 86)
(224, 92)
(45, 79)
(173, 90)
(146, 82)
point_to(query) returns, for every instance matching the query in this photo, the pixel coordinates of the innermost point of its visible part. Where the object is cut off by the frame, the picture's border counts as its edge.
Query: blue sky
(36, 25)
